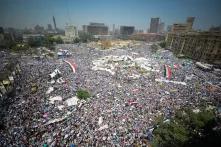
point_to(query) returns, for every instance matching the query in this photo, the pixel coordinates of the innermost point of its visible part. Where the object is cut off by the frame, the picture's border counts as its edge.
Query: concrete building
(35, 37)
(84, 27)
(50, 27)
(179, 27)
(8, 35)
(70, 33)
(1, 30)
(203, 46)
(147, 37)
(183, 27)
(113, 31)
(55, 27)
(1, 36)
(96, 29)
(161, 27)
(189, 22)
(127, 30)
(154, 24)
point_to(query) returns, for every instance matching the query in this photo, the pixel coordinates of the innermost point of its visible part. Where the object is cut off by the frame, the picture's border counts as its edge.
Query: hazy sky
(28, 13)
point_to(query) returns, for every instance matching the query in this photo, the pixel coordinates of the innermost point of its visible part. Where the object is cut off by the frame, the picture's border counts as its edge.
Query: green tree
(188, 128)
(35, 42)
(83, 94)
(170, 134)
(76, 40)
(20, 48)
(58, 40)
(50, 40)
(162, 44)
(154, 48)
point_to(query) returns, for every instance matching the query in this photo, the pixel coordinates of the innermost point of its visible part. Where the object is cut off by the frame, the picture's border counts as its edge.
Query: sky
(28, 13)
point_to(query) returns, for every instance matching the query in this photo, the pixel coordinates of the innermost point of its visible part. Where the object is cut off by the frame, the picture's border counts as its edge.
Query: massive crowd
(119, 111)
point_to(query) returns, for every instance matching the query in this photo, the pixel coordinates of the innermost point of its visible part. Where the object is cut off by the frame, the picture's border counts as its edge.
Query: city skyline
(22, 14)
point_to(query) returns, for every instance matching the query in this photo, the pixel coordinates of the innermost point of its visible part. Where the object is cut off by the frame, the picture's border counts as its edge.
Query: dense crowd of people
(119, 111)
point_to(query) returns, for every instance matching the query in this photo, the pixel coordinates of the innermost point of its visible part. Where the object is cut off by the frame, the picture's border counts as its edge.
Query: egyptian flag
(167, 72)
(72, 65)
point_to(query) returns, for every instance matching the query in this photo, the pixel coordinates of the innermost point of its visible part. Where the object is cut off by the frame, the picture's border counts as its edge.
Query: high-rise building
(71, 32)
(96, 29)
(180, 27)
(154, 24)
(55, 27)
(84, 28)
(189, 22)
(183, 27)
(1, 36)
(113, 31)
(161, 27)
(50, 27)
(127, 30)
(1, 30)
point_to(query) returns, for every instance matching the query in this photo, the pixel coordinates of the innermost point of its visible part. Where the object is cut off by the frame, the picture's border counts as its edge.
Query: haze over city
(23, 13)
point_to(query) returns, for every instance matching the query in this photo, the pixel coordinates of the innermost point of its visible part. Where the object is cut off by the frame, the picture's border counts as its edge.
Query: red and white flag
(167, 72)
(72, 64)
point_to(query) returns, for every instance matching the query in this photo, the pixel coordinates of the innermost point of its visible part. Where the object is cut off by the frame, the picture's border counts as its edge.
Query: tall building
(71, 32)
(154, 24)
(96, 29)
(55, 27)
(84, 28)
(127, 30)
(50, 27)
(189, 22)
(113, 31)
(1, 30)
(1, 36)
(183, 27)
(180, 27)
(161, 27)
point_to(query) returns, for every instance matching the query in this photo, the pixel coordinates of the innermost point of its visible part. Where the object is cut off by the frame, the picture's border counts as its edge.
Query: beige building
(203, 46)
(183, 27)
(189, 22)
(70, 33)
(179, 28)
